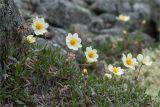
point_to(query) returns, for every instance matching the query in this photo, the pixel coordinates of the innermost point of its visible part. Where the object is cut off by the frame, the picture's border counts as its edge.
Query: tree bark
(11, 24)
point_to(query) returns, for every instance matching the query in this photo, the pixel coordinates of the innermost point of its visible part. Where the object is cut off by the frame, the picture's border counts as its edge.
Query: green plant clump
(45, 77)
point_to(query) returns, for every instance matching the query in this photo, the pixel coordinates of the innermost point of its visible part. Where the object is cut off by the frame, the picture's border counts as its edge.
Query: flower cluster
(74, 42)
(39, 26)
(130, 62)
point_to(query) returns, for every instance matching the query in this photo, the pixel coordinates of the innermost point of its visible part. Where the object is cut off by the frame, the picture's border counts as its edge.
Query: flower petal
(75, 35)
(129, 55)
(110, 67)
(140, 57)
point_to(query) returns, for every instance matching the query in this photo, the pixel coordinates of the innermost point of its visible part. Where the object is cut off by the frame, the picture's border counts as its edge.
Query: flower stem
(136, 78)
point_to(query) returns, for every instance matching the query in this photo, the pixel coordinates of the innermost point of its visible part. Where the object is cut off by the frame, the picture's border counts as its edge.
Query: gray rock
(113, 32)
(142, 8)
(101, 38)
(79, 2)
(108, 19)
(108, 6)
(26, 7)
(50, 45)
(90, 1)
(63, 13)
(40, 10)
(127, 7)
(148, 40)
(155, 14)
(96, 25)
(58, 39)
(25, 14)
(19, 3)
(59, 36)
(27, 4)
(83, 32)
(157, 2)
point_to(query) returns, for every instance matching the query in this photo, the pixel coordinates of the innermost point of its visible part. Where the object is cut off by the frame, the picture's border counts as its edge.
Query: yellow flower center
(73, 41)
(115, 69)
(129, 61)
(122, 18)
(91, 54)
(39, 25)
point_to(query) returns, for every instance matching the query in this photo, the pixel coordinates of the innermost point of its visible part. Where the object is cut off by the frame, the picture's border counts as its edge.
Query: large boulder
(108, 19)
(63, 13)
(143, 9)
(106, 33)
(79, 2)
(57, 39)
(105, 6)
(89, 2)
(96, 25)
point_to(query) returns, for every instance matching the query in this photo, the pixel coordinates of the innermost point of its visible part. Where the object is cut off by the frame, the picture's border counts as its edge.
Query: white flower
(29, 39)
(109, 76)
(39, 26)
(115, 70)
(123, 18)
(91, 54)
(73, 41)
(129, 62)
(144, 60)
(143, 21)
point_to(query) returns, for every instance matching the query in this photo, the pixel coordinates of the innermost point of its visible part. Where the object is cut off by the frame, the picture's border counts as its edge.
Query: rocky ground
(94, 20)
(45, 77)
